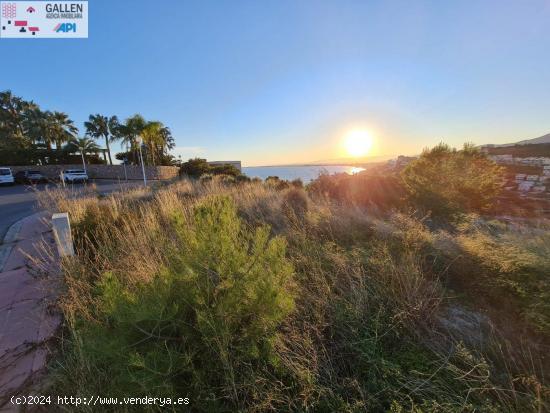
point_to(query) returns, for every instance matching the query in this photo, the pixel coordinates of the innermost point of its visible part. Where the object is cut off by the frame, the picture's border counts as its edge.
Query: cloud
(187, 152)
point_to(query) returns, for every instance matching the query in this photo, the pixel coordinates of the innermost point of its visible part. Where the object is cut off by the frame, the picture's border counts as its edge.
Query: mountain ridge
(534, 141)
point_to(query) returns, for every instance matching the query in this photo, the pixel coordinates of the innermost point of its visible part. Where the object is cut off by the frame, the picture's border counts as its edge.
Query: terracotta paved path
(28, 319)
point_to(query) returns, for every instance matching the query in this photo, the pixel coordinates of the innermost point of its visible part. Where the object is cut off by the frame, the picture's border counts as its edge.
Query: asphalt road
(18, 201)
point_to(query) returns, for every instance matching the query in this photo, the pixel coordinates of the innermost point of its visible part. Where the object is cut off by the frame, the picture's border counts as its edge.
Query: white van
(6, 177)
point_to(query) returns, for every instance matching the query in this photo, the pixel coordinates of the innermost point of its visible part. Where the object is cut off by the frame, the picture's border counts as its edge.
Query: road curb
(5, 252)
(13, 231)
(10, 240)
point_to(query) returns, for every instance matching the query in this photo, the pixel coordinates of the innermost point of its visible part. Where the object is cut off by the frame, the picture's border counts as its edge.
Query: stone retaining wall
(105, 171)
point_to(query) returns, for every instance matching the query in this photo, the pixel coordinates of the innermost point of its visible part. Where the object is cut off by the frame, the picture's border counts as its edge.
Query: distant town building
(525, 186)
(509, 159)
(401, 161)
(506, 159)
(530, 183)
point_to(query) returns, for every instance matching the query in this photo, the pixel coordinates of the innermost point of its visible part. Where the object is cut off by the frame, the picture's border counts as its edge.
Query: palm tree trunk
(108, 149)
(152, 146)
(83, 160)
(137, 149)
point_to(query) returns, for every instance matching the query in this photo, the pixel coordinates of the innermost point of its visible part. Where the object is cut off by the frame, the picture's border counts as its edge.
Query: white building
(525, 186)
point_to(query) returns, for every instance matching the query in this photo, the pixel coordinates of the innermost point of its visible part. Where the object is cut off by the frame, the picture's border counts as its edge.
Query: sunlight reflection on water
(305, 173)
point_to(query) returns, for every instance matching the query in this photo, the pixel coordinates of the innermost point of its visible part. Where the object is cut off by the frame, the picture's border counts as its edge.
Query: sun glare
(358, 143)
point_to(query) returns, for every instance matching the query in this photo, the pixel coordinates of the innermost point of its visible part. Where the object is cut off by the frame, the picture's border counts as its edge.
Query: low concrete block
(62, 232)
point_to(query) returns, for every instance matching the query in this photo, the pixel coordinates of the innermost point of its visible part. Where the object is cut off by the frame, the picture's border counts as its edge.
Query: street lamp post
(124, 161)
(140, 143)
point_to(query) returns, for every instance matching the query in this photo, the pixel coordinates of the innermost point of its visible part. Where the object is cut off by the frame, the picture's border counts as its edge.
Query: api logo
(65, 28)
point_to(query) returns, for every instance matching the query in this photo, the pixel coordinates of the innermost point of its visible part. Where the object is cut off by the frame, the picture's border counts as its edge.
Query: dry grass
(369, 293)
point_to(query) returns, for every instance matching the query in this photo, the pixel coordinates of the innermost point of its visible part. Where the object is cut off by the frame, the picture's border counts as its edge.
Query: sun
(358, 143)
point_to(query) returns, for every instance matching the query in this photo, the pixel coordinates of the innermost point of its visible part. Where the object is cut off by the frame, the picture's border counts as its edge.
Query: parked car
(6, 177)
(29, 177)
(74, 175)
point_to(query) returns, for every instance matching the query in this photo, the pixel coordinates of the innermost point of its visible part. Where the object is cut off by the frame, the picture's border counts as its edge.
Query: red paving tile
(37, 228)
(17, 373)
(11, 282)
(36, 290)
(48, 326)
(22, 327)
(26, 318)
(20, 253)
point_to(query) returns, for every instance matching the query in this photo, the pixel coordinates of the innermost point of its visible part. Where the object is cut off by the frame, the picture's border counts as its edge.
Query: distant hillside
(521, 150)
(542, 139)
(534, 141)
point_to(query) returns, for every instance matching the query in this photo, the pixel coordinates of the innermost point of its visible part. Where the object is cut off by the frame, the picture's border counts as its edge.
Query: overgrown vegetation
(198, 167)
(447, 182)
(512, 262)
(266, 297)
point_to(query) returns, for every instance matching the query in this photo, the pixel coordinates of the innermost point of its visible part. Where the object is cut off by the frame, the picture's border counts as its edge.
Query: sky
(282, 81)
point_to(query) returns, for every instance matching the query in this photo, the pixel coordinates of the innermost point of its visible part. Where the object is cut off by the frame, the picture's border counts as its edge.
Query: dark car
(29, 177)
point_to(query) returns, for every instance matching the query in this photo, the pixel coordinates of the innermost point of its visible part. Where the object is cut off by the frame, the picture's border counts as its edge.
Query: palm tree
(87, 144)
(130, 131)
(158, 139)
(154, 135)
(103, 126)
(62, 128)
(29, 113)
(153, 138)
(49, 127)
(37, 125)
(83, 145)
(12, 117)
(25, 124)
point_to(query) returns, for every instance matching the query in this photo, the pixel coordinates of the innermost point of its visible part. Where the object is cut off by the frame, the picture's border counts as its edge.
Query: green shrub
(226, 169)
(448, 182)
(204, 323)
(242, 178)
(508, 263)
(197, 167)
(194, 168)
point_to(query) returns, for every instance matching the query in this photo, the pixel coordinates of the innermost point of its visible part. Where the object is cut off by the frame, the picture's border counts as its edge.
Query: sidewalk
(28, 319)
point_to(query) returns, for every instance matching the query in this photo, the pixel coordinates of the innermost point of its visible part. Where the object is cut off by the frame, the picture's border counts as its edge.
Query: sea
(305, 173)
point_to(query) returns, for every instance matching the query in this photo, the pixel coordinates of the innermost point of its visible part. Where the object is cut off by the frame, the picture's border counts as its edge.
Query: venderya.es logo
(43, 19)
(65, 28)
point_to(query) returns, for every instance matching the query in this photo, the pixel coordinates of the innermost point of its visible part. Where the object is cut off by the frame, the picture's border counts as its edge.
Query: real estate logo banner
(42, 19)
